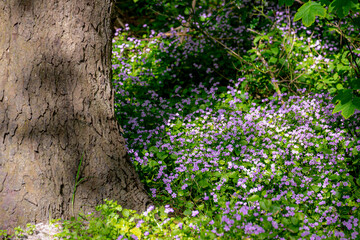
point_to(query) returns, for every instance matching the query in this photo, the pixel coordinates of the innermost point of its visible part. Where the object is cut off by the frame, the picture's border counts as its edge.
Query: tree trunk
(57, 104)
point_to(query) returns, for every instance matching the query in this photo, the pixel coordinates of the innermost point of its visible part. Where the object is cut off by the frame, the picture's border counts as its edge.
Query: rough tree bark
(56, 103)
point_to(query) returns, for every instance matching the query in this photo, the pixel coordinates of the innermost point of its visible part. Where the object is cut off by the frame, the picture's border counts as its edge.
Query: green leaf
(266, 225)
(253, 198)
(136, 231)
(178, 124)
(338, 195)
(275, 50)
(234, 175)
(324, 150)
(294, 220)
(334, 177)
(315, 188)
(153, 149)
(308, 12)
(344, 96)
(189, 204)
(244, 142)
(293, 229)
(275, 209)
(273, 60)
(342, 7)
(187, 212)
(286, 2)
(265, 204)
(300, 216)
(161, 155)
(203, 183)
(339, 86)
(355, 83)
(285, 221)
(348, 108)
(125, 213)
(355, 151)
(257, 39)
(318, 128)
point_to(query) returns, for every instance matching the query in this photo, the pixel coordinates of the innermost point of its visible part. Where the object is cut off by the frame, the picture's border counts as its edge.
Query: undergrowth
(229, 122)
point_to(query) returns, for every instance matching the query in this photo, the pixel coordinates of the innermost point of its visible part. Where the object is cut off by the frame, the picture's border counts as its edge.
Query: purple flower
(244, 210)
(168, 209)
(206, 197)
(194, 213)
(275, 224)
(139, 223)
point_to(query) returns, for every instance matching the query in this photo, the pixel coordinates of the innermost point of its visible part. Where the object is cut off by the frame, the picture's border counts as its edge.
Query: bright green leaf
(125, 213)
(339, 86)
(136, 231)
(347, 109)
(178, 124)
(253, 198)
(257, 39)
(308, 12)
(275, 50)
(273, 60)
(289, 194)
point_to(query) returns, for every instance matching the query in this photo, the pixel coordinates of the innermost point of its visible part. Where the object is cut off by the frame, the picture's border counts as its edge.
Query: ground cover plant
(231, 126)
(224, 162)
